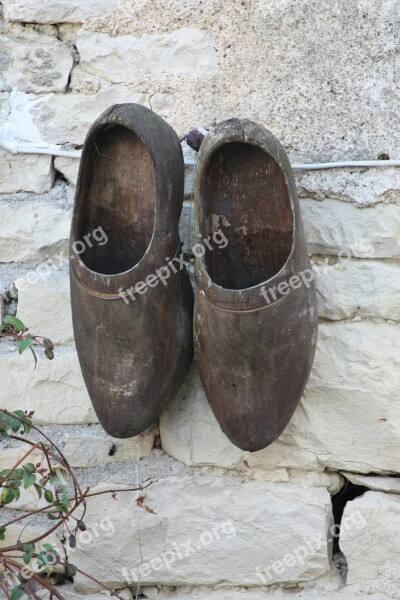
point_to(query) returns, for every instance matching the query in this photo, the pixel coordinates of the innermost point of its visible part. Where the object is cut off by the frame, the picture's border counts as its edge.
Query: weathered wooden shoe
(132, 301)
(255, 311)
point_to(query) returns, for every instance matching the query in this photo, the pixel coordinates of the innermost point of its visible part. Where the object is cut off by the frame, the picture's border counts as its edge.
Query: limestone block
(34, 66)
(56, 11)
(65, 119)
(370, 549)
(341, 228)
(348, 416)
(45, 306)
(25, 173)
(69, 167)
(363, 288)
(377, 483)
(54, 390)
(87, 451)
(360, 186)
(32, 231)
(188, 51)
(191, 434)
(236, 528)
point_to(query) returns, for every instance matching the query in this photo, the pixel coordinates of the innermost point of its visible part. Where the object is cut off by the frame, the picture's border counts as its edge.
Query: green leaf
(49, 496)
(17, 494)
(42, 559)
(24, 344)
(49, 354)
(2, 534)
(27, 558)
(48, 547)
(71, 570)
(52, 516)
(4, 473)
(38, 490)
(24, 422)
(7, 496)
(29, 468)
(16, 593)
(19, 413)
(34, 356)
(28, 480)
(15, 323)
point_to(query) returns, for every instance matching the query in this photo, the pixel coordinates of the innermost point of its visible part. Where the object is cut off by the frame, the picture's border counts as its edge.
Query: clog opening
(117, 197)
(246, 199)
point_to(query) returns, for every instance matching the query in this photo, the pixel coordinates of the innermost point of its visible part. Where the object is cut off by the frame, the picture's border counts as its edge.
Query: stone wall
(324, 78)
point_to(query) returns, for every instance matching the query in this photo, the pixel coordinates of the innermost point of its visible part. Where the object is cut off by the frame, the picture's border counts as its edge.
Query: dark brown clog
(132, 300)
(256, 311)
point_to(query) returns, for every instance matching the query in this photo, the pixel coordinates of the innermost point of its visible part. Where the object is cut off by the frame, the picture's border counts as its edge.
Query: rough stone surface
(63, 119)
(370, 550)
(34, 67)
(362, 187)
(347, 377)
(262, 524)
(251, 594)
(336, 228)
(26, 534)
(187, 51)
(56, 11)
(68, 592)
(29, 499)
(55, 390)
(33, 231)
(363, 288)
(377, 483)
(312, 79)
(25, 173)
(191, 434)
(340, 228)
(322, 78)
(68, 167)
(88, 451)
(45, 306)
(348, 417)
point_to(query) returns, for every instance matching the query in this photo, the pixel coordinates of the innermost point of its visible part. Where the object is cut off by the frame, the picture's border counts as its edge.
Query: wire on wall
(51, 150)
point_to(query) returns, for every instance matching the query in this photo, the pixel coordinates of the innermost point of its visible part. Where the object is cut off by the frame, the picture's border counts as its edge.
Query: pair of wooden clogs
(255, 315)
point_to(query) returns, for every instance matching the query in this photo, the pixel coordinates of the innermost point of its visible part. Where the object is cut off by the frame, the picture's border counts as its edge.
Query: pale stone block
(87, 451)
(341, 228)
(69, 167)
(361, 186)
(25, 173)
(45, 306)
(55, 390)
(377, 483)
(363, 288)
(191, 434)
(56, 11)
(34, 66)
(33, 231)
(251, 594)
(348, 417)
(208, 513)
(370, 547)
(121, 59)
(66, 119)
(19, 532)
